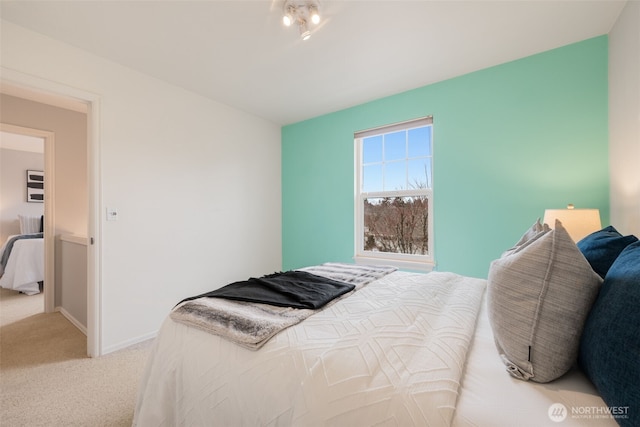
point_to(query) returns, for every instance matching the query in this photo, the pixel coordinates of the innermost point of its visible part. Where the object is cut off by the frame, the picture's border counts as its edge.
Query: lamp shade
(579, 223)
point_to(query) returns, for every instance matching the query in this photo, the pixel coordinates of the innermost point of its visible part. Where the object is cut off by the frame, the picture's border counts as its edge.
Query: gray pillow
(539, 296)
(535, 231)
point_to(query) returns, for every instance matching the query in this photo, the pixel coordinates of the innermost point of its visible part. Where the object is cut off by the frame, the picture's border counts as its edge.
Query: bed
(22, 256)
(415, 349)
(22, 263)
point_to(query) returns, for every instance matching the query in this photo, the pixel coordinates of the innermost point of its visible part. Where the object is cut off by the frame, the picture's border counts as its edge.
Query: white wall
(196, 185)
(624, 120)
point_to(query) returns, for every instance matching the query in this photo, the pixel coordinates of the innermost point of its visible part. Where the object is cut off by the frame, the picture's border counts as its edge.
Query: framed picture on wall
(35, 186)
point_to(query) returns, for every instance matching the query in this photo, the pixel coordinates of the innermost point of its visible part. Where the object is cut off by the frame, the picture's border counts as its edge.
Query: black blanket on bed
(297, 289)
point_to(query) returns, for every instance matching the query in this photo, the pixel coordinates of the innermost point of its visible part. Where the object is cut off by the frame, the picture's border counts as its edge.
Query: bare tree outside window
(397, 225)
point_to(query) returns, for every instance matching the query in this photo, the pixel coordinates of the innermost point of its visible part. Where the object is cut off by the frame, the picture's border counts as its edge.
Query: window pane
(420, 173)
(395, 176)
(397, 225)
(372, 149)
(396, 163)
(372, 178)
(420, 142)
(395, 146)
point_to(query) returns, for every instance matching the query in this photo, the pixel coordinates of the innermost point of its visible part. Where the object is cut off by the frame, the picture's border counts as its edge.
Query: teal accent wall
(509, 142)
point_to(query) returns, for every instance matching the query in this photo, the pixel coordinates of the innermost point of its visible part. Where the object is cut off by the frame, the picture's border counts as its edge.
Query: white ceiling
(238, 53)
(14, 141)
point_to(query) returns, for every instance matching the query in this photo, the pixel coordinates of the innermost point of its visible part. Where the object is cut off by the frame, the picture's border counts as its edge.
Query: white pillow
(29, 224)
(538, 297)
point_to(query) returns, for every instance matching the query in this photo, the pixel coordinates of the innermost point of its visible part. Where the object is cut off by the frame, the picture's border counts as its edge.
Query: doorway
(26, 136)
(27, 87)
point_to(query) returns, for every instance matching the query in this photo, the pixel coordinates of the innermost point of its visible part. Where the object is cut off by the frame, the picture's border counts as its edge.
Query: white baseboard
(112, 348)
(129, 343)
(72, 319)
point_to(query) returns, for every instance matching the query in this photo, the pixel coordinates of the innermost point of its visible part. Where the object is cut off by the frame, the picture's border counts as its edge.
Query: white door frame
(53, 93)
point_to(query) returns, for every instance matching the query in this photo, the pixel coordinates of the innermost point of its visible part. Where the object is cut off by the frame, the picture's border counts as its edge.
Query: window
(394, 188)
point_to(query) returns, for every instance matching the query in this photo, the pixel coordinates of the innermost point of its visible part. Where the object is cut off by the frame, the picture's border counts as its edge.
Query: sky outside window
(397, 160)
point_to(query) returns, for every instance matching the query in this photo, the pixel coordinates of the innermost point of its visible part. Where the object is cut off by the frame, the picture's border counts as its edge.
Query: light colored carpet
(46, 379)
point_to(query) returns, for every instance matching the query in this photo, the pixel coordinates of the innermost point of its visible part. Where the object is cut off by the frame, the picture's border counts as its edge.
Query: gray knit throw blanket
(251, 325)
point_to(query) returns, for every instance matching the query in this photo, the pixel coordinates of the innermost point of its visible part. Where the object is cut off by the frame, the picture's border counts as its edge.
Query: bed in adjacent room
(401, 348)
(22, 257)
(22, 263)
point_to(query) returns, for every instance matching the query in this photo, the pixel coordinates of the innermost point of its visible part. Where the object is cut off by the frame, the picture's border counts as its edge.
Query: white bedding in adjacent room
(25, 266)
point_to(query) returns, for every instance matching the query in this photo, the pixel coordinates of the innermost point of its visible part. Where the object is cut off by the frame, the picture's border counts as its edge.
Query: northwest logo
(557, 412)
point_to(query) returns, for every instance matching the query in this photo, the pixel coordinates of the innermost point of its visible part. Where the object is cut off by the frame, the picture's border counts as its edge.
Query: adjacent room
(412, 150)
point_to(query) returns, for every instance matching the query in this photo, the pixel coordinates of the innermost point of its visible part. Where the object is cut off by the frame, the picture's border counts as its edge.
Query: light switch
(112, 214)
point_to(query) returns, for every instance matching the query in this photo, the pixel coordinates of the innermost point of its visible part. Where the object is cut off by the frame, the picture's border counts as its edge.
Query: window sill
(424, 267)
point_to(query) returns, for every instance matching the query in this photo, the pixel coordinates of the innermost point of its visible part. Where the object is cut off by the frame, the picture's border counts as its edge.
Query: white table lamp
(579, 223)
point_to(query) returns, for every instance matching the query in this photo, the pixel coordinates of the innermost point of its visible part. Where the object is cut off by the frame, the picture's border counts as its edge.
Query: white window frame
(403, 261)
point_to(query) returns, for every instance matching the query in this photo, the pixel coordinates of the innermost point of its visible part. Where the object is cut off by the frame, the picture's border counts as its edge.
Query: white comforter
(391, 354)
(25, 267)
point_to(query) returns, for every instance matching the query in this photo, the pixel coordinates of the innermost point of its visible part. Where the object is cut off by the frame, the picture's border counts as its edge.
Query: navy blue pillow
(610, 344)
(601, 248)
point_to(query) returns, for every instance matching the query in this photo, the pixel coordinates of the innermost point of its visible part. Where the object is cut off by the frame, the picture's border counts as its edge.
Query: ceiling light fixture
(301, 12)
(289, 13)
(315, 14)
(304, 30)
